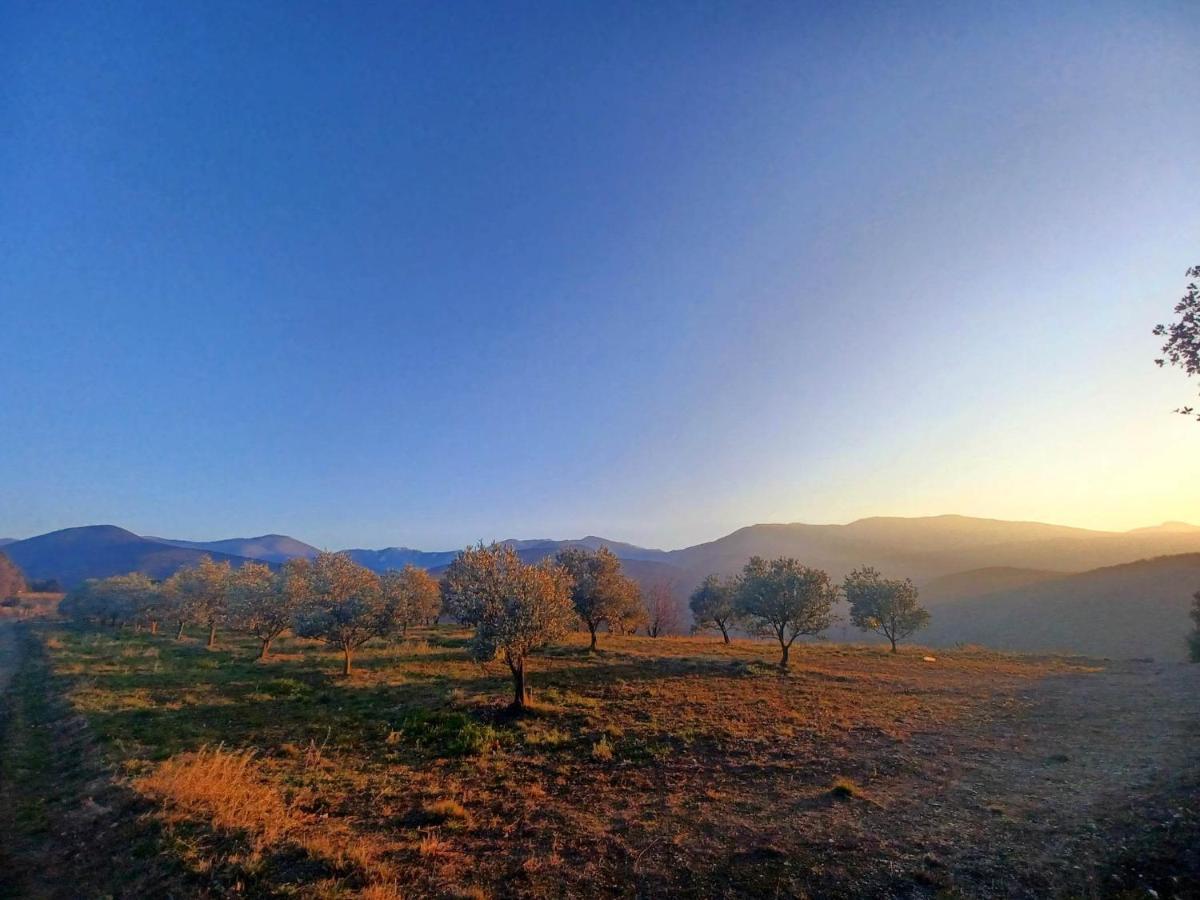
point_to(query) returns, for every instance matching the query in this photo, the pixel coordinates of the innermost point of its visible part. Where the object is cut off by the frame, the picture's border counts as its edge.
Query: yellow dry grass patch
(219, 785)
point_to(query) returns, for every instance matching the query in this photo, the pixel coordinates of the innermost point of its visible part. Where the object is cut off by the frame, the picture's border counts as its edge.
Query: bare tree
(885, 606)
(515, 608)
(664, 613)
(786, 599)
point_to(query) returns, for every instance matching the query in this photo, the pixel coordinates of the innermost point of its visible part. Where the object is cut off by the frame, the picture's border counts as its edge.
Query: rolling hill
(73, 555)
(1137, 609)
(976, 582)
(276, 548)
(928, 548)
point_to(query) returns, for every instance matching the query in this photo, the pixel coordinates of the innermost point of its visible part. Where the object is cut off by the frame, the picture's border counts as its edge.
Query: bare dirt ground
(1070, 792)
(979, 775)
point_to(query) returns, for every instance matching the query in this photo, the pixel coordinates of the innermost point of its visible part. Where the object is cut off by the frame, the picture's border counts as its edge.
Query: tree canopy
(713, 604)
(411, 595)
(264, 603)
(600, 592)
(12, 582)
(886, 606)
(785, 598)
(343, 606)
(515, 608)
(200, 594)
(1182, 347)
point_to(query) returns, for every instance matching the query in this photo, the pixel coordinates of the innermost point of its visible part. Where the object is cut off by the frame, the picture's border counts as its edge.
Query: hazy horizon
(568, 537)
(416, 275)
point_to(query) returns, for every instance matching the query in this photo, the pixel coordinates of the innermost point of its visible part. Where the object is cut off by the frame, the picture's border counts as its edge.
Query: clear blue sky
(420, 274)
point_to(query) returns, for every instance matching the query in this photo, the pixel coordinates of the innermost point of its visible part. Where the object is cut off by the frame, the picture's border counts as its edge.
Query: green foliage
(1182, 347)
(885, 606)
(785, 598)
(411, 596)
(200, 593)
(450, 734)
(265, 603)
(600, 592)
(513, 607)
(114, 600)
(343, 604)
(713, 604)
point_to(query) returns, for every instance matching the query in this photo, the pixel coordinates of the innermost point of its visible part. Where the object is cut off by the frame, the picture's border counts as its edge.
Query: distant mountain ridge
(74, 555)
(986, 580)
(924, 549)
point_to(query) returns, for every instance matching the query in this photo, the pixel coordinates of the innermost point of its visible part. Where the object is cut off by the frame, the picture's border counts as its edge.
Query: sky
(427, 273)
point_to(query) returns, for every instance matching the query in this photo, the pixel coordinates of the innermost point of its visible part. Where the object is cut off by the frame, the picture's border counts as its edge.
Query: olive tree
(200, 594)
(265, 603)
(12, 582)
(515, 608)
(713, 604)
(411, 595)
(86, 603)
(600, 592)
(1182, 347)
(137, 598)
(343, 605)
(786, 599)
(884, 605)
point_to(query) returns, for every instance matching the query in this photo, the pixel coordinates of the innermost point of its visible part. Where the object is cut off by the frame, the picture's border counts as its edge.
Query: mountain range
(987, 580)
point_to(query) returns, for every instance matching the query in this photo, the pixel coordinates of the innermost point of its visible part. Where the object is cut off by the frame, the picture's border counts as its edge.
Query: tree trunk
(783, 660)
(520, 691)
(346, 661)
(154, 626)
(724, 631)
(212, 635)
(179, 633)
(592, 629)
(266, 648)
(893, 640)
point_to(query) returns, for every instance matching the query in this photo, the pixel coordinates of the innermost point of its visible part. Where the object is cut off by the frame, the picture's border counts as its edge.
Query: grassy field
(655, 766)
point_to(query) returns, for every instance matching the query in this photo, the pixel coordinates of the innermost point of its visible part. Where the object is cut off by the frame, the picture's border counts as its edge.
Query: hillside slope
(276, 548)
(73, 555)
(931, 547)
(977, 582)
(1138, 609)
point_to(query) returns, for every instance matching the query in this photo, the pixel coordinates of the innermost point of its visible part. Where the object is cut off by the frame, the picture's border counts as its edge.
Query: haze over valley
(1011, 585)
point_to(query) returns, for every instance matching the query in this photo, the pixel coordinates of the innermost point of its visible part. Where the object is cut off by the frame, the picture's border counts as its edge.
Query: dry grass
(657, 767)
(221, 786)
